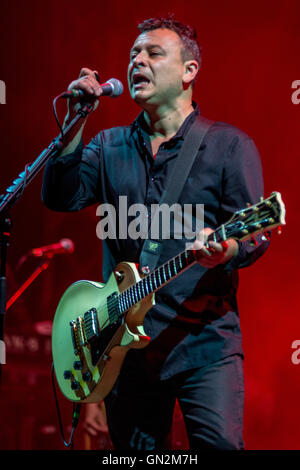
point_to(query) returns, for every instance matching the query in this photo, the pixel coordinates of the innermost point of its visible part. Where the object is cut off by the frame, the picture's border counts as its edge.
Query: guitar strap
(152, 248)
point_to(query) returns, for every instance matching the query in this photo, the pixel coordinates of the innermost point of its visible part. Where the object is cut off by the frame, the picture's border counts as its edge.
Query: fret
(135, 294)
(146, 285)
(180, 261)
(128, 303)
(140, 295)
(164, 273)
(124, 297)
(150, 283)
(154, 279)
(169, 270)
(142, 288)
(174, 265)
(121, 303)
(159, 277)
(223, 232)
(124, 302)
(131, 296)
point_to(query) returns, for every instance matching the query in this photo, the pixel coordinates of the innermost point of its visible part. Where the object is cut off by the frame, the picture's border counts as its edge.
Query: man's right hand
(87, 82)
(95, 419)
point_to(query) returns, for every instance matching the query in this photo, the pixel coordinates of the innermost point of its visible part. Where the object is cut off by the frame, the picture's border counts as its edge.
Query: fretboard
(162, 275)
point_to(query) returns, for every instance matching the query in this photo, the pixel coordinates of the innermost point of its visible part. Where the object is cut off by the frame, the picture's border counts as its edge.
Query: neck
(164, 121)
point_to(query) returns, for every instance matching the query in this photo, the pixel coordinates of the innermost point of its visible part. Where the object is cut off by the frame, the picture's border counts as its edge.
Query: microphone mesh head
(67, 244)
(117, 87)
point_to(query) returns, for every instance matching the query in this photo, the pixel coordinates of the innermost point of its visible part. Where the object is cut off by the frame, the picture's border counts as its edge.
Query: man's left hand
(215, 253)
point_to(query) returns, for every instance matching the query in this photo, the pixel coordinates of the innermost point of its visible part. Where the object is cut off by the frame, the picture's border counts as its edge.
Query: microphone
(65, 245)
(112, 88)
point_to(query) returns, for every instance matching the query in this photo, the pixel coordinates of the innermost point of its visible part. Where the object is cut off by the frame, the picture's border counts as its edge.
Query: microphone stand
(42, 267)
(13, 194)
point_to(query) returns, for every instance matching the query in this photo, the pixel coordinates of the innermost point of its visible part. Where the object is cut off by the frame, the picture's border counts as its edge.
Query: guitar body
(89, 345)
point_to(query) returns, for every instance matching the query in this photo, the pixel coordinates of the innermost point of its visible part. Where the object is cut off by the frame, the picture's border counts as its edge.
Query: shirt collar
(139, 123)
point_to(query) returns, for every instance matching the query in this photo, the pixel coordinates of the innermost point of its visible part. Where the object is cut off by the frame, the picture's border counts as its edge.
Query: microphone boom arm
(15, 191)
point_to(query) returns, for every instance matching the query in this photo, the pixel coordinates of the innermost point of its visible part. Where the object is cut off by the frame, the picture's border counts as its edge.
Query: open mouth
(139, 80)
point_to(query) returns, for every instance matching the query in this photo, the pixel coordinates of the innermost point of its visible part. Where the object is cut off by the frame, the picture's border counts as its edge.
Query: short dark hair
(187, 34)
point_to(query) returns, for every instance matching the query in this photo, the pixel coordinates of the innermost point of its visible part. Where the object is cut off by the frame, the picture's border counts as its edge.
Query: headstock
(265, 215)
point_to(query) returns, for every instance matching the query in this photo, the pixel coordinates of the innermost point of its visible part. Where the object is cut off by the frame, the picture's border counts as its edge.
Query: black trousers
(140, 408)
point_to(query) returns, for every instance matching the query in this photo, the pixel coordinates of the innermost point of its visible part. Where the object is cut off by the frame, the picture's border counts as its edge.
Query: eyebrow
(149, 46)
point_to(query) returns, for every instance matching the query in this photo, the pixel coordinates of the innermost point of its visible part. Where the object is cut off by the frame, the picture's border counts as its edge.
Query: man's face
(156, 68)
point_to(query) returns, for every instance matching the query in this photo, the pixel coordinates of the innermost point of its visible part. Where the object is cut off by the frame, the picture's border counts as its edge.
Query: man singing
(195, 354)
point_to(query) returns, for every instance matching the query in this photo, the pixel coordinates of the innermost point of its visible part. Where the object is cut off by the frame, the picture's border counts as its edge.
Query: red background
(250, 59)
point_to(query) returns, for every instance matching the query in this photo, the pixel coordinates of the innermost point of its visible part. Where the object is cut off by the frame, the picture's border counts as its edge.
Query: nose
(139, 59)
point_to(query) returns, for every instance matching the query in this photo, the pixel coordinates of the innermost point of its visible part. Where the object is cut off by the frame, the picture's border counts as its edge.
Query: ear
(191, 68)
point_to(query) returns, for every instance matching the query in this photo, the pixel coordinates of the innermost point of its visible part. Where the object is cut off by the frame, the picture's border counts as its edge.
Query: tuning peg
(279, 230)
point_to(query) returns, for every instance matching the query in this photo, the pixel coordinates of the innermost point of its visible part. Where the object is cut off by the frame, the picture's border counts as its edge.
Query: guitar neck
(164, 274)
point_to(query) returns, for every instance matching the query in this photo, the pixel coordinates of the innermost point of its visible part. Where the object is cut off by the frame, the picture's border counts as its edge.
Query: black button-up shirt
(195, 320)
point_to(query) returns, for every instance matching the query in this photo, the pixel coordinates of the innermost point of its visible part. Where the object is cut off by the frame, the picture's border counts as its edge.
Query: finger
(215, 247)
(88, 73)
(85, 71)
(199, 245)
(90, 430)
(200, 249)
(88, 85)
(93, 429)
(95, 72)
(81, 84)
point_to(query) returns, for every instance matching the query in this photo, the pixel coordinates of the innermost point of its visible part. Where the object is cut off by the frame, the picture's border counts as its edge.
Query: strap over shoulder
(152, 249)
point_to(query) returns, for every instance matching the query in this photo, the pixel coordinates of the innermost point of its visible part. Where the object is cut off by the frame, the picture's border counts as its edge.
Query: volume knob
(67, 374)
(75, 385)
(87, 376)
(77, 365)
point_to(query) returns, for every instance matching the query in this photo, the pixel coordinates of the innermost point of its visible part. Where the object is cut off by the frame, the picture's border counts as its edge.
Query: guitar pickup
(91, 326)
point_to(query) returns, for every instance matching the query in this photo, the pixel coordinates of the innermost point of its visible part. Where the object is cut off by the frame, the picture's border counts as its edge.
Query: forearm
(61, 181)
(74, 137)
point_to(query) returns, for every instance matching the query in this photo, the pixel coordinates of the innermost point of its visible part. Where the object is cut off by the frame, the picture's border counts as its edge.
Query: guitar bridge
(74, 336)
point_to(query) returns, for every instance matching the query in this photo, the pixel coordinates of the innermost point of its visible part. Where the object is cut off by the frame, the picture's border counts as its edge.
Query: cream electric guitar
(96, 324)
